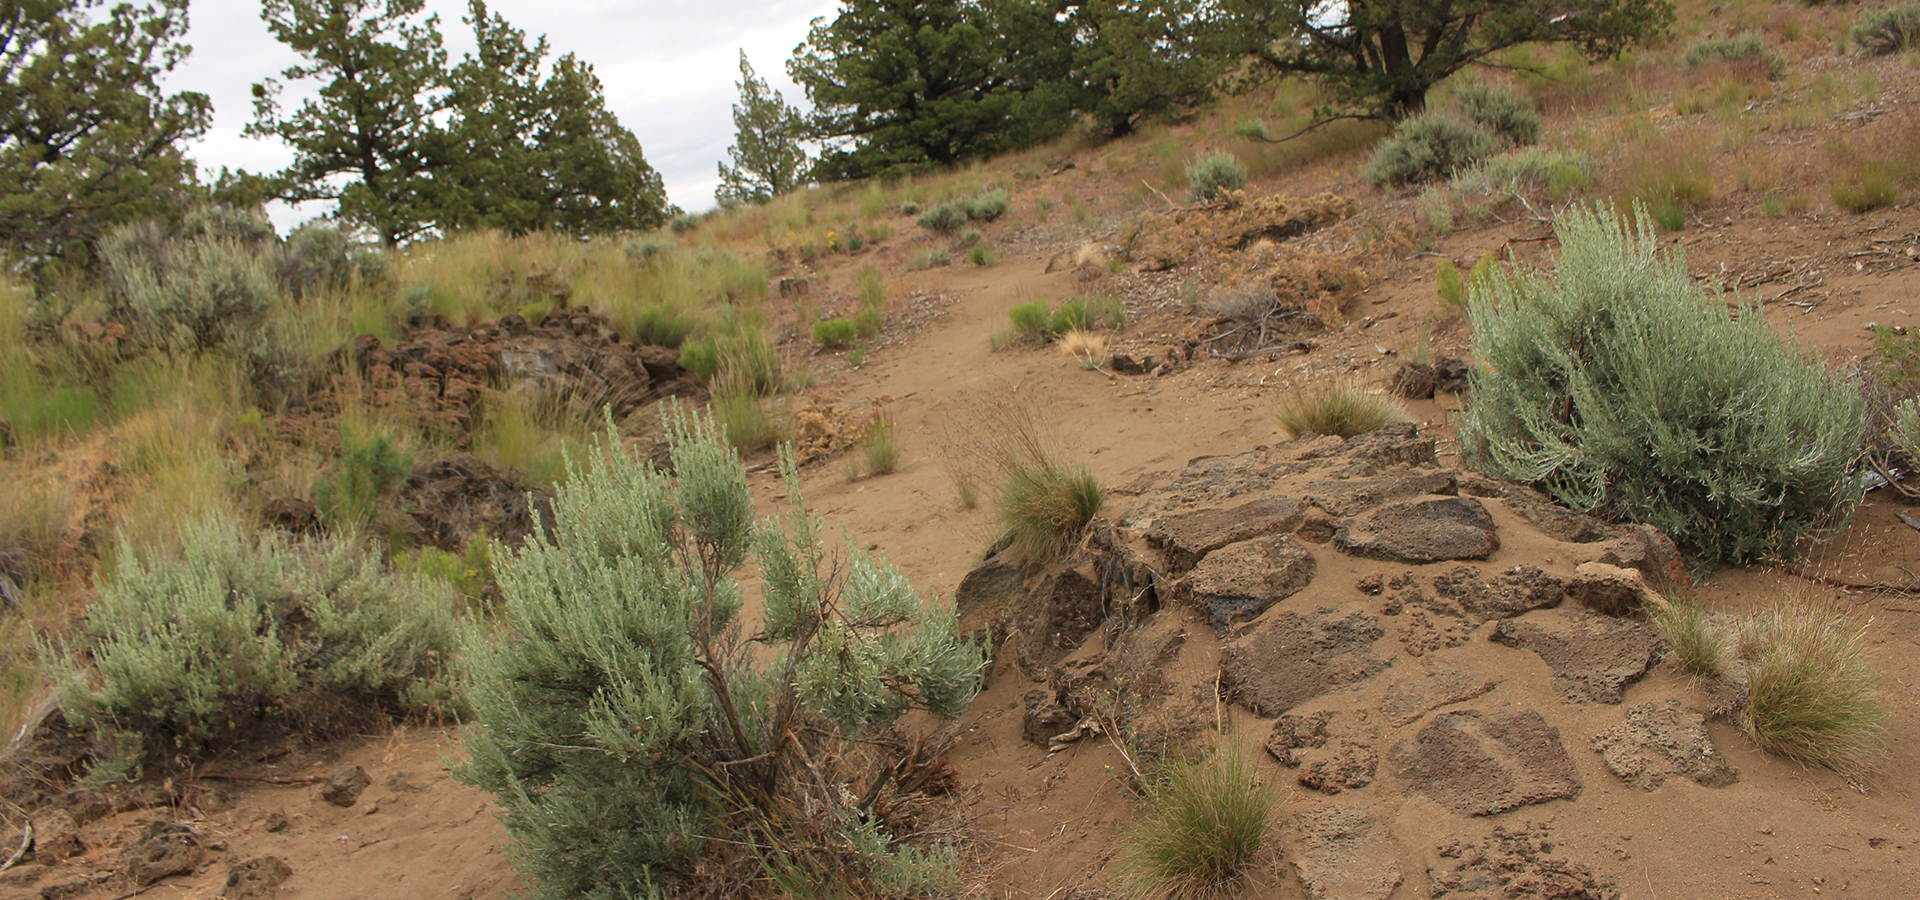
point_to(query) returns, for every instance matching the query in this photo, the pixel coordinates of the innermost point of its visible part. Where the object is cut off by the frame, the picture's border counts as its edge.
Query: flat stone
(1292, 734)
(1408, 700)
(1593, 657)
(1421, 531)
(1342, 853)
(1657, 741)
(1352, 496)
(1612, 590)
(1477, 764)
(1556, 521)
(1187, 537)
(1342, 765)
(1518, 590)
(1240, 581)
(1292, 658)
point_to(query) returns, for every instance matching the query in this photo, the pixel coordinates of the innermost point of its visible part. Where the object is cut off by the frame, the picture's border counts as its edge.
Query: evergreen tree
(1138, 58)
(525, 153)
(767, 157)
(623, 719)
(363, 140)
(87, 138)
(1384, 55)
(906, 84)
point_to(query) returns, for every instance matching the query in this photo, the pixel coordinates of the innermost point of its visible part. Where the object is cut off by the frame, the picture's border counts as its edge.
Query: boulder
(256, 879)
(162, 850)
(1421, 531)
(343, 786)
(1188, 536)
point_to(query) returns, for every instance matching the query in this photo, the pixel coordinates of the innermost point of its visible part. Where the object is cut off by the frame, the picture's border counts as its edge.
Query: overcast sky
(669, 69)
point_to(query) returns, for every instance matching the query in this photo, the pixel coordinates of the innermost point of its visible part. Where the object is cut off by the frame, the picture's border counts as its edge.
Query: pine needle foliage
(625, 716)
(1621, 387)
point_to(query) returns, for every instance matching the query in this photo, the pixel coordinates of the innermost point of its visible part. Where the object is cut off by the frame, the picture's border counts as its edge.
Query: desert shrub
(929, 258)
(1890, 30)
(868, 321)
(322, 256)
(989, 205)
(1069, 316)
(1339, 408)
(368, 468)
(1206, 821)
(467, 572)
(193, 650)
(1812, 692)
(1528, 171)
(190, 294)
(1105, 310)
(946, 218)
(836, 333)
(1697, 647)
(683, 223)
(734, 347)
(909, 208)
(1211, 175)
(880, 446)
(982, 255)
(1030, 320)
(1500, 109)
(871, 286)
(1429, 147)
(1905, 430)
(1746, 49)
(626, 726)
(1621, 387)
(1089, 349)
(1864, 186)
(1450, 284)
(648, 249)
(1045, 503)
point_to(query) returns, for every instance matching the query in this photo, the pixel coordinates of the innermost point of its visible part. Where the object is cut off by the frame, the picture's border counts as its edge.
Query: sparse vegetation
(1890, 30)
(1339, 408)
(1698, 648)
(1207, 820)
(1621, 361)
(1812, 693)
(1748, 49)
(1089, 349)
(1214, 174)
(1428, 148)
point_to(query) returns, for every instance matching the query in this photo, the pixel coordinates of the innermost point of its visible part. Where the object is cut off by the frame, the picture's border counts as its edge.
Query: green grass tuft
(1812, 692)
(1045, 504)
(1209, 818)
(1342, 409)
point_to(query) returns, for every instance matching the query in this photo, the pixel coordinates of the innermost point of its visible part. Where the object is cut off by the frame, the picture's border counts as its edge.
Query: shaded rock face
(1287, 660)
(1240, 581)
(459, 496)
(1593, 657)
(1342, 853)
(1559, 522)
(1657, 741)
(1480, 765)
(163, 849)
(1611, 590)
(1421, 531)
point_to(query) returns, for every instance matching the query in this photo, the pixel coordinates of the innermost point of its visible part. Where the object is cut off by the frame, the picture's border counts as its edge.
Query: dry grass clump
(1089, 349)
(877, 450)
(1812, 691)
(1340, 408)
(1697, 647)
(1207, 821)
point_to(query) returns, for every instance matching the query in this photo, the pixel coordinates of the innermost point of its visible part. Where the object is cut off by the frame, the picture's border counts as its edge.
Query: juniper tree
(767, 157)
(626, 717)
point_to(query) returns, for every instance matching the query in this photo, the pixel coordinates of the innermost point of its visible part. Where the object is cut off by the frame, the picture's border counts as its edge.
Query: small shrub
(868, 321)
(1747, 49)
(1429, 147)
(989, 206)
(1089, 349)
(1069, 316)
(1623, 388)
(661, 325)
(871, 286)
(929, 258)
(192, 652)
(648, 249)
(683, 223)
(1863, 187)
(1216, 173)
(1812, 692)
(969, 238)
(880, 446)
(744, 350)
(1030, 320)
(909, 208)
(943, 219)
(1045, 504)
(835, 334)
(468, 572)
(1207, 820)
(1500, 109)
(367, 469)
(1698, 648)
(1450, 284)
(1890, 30)
(1341, 408)
(322, 256)
(982, 256)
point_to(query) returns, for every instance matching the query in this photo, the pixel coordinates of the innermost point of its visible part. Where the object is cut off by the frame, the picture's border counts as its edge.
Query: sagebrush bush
(1214, 174)
(1622, 388)
(1746, 49)
(1069, 316)
(1339, 408)
(319, 256)
(181, 654)
(989, 205)
(1429, 147)
(624, 725)
(1812, 690)
(1500, 109)
(946, 218)
(1206, 821)
(1890, 30)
